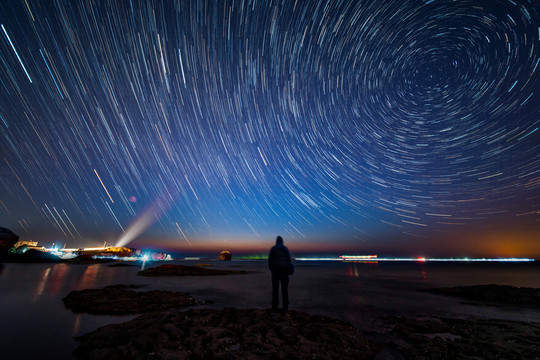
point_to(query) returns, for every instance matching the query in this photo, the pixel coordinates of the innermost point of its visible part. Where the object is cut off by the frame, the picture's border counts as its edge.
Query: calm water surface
(31, 310)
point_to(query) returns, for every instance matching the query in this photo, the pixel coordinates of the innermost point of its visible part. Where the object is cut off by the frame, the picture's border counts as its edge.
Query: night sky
(389, 127)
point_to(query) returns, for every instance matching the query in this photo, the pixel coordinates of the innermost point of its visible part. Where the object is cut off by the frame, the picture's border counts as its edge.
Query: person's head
(279, 240)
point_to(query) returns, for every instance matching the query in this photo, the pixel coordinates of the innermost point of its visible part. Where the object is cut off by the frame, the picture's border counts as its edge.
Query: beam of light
(142, 222)
(138, 226)
(16, 53)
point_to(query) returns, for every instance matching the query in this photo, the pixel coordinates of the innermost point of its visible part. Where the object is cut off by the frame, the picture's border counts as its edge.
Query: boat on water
(359, 258)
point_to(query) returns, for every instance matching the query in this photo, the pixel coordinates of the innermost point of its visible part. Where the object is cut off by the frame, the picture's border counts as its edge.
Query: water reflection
(357, 268)
(76, 324)
(56, 281)
(31, 295)
(50, 281)
(41, 284)
(423, 273)
(89, 277)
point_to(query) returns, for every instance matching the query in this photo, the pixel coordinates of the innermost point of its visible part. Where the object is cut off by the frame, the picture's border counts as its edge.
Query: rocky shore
(166, 331)
(448, 338)
(232, 333)
(226, 334)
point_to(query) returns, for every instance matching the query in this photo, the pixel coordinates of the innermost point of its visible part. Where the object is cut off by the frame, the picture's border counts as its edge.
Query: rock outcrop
(447, 338)
(7, 240)
(120, 300)
(226, 334)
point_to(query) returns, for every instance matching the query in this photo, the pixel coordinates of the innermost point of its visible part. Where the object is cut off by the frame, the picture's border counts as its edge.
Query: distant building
(27, 243)
(20, 247)
(107, 251)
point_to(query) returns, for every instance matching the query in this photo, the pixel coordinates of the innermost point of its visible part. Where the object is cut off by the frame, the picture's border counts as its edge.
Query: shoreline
(361, 294)
(199, 333)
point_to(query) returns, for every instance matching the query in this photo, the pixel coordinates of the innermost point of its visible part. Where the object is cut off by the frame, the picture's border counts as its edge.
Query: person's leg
(285, 291)
(275, 291)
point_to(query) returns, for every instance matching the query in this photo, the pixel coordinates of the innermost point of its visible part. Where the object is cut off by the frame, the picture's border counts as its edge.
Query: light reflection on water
(31, 306)
(42, 282)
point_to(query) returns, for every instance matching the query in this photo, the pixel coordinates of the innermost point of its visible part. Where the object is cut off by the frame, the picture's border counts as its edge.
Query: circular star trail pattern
(344, 121)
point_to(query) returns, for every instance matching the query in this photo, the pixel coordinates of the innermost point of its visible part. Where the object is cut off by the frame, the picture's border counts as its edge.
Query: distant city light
(375, 258)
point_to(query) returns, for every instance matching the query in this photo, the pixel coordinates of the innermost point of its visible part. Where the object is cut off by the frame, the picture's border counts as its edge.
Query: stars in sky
(332, 121)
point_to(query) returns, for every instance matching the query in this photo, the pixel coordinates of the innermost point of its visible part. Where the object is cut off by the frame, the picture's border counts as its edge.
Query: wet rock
(184, 270)
(448, 338)
(120, 300)
(226, 334)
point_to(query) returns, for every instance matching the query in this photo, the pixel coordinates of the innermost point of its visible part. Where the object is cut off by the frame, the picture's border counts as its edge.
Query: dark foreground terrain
(166, 331)
(226, 334)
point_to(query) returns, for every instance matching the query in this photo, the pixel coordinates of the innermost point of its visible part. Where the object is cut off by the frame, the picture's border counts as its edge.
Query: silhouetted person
(279, 262)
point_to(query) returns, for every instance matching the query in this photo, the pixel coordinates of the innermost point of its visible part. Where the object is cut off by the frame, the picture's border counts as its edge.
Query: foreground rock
(184, 270)
(119, 300)
(494, 294)
(7, 240)
(446, 338)
(226, 334)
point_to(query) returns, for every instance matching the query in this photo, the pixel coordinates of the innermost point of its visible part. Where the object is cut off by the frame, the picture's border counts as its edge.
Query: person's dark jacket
(279, 257)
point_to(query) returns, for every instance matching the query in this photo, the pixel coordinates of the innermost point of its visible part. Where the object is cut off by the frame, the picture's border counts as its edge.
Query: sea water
(35, 324)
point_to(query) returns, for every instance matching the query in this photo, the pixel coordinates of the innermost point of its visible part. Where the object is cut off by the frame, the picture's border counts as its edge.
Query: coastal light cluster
(192, 123)
(375, 258)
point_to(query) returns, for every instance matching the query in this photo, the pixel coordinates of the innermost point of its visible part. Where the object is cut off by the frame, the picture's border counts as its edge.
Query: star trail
(405, 126)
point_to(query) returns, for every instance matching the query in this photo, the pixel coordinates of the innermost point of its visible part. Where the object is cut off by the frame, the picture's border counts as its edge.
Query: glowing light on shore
(375, 258)
(318, 259)
(358, 257)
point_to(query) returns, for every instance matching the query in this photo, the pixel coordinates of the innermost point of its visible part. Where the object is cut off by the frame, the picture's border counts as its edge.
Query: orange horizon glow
(489, 245)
